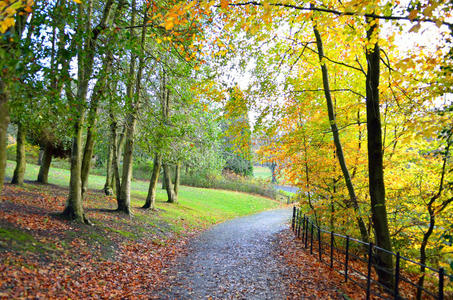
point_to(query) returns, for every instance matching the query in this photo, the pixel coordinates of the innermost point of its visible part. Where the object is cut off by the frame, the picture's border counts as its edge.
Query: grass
(262, 172)
(197, 207)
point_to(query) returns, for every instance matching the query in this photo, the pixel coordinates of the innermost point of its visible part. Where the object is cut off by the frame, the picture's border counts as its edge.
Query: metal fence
(349, 257)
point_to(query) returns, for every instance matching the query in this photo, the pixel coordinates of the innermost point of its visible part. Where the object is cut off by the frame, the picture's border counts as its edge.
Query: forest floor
(43, 255)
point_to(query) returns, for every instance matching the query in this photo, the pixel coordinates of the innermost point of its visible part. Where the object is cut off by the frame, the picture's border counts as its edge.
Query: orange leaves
(224, 3)
(43, 256)
(413, 14)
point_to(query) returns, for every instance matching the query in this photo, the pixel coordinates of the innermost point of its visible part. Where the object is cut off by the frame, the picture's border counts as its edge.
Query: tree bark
(43, 175)
(116, 154)
(164, 186)
(98, 91)
(375, 159)
(108, 186)
(432, 221)
(151, 197)
(40, 155)
(4, 121)
(19, 171)
(86, 51)
(74, 209)
(273, 168)
(7, 47)
(134, 105)
(171, 196)
(177, 177)
(336, 137)
(125, 192)
(92, 121)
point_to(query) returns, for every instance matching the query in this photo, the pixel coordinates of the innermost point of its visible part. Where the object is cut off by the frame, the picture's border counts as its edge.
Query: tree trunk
(4, 121)
(177, 177)
(132, 102)
(426, 236)
(8, 46)
(171, 196)
(115, 163)
(19, 171)
(336, 137)
(108, 186)
(74, 209)
(151, 197)
(40, 155)
(86, 158)
(85, 40)
(375, 159)
(432, 220)
(125, 192)
(43, 175)
(273, 168)
(164, 186)
(307, 184)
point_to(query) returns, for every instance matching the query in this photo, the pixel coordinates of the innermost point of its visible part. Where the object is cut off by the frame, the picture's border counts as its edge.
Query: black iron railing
(338, 251)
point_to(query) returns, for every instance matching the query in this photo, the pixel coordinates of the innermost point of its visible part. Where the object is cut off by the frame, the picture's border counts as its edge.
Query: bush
(232, 182)
(31, 153)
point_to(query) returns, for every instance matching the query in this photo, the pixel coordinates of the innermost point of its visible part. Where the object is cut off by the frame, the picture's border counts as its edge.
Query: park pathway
(233, 260)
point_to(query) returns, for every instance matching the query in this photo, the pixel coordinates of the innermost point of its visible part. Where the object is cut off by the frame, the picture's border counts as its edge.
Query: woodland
(349, 101)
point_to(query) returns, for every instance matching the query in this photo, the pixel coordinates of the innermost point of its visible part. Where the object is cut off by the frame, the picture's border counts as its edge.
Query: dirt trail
(233, 260)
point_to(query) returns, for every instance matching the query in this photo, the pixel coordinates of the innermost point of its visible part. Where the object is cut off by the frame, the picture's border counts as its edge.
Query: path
(233, 260)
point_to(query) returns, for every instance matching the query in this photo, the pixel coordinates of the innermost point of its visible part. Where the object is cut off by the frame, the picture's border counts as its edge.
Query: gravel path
(233, 260)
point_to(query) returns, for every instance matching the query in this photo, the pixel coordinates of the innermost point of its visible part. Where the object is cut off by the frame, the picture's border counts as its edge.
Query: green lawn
(197, 207)
(262, 172)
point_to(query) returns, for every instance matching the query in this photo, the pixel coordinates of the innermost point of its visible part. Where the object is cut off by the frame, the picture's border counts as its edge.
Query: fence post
(298, 227)
(368, 278)
(295, 224)
(306, 233)
(346, 260)
(311, 239)
(303, 228)
(319, 243)
(397, 276)
(294, 217)
(441, 284)
(331, 249)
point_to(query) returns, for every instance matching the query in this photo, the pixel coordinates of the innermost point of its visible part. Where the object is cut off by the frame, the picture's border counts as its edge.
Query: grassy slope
(197, 206)
(262, 172)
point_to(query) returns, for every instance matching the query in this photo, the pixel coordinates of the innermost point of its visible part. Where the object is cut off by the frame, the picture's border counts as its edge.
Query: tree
(12, 24)
(85, 42)
(237, 134)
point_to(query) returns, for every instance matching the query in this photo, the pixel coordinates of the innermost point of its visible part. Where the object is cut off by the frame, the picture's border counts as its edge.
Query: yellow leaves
(190, 5)
(168, 24)
(6, 23)
(267, 18)
(9, 8)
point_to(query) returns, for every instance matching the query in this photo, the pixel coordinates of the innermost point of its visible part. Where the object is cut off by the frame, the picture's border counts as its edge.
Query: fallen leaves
(58, 259)
(310, 278)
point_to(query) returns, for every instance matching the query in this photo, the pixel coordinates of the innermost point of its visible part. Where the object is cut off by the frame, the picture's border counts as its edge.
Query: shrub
(31, 153)
(232, 182)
